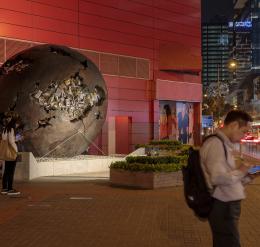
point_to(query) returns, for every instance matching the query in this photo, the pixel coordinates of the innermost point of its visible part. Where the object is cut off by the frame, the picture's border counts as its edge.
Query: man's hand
(245, 167)
(253, 176)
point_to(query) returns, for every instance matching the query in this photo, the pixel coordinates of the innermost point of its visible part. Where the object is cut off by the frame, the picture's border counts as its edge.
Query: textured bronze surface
(60, 96)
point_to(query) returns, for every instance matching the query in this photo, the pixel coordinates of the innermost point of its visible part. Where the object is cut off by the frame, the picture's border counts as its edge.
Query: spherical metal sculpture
(60, 96)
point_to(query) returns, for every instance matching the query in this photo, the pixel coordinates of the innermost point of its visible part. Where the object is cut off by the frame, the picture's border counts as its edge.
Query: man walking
(225, 179)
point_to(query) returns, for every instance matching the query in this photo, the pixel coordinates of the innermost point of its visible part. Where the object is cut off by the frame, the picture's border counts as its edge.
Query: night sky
(211, 8)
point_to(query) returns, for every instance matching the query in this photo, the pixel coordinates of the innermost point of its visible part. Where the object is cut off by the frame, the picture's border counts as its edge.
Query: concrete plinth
(29, 168)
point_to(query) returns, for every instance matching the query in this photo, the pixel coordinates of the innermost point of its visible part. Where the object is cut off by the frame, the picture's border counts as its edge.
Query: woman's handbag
(7, 152)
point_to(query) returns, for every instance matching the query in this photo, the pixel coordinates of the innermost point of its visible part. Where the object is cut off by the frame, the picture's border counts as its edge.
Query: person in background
(8, 133)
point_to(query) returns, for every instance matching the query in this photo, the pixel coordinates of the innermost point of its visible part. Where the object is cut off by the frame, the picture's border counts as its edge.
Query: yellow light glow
(232, 64)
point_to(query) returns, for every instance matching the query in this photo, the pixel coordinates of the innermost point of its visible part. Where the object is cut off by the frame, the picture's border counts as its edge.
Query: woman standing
(8, 133)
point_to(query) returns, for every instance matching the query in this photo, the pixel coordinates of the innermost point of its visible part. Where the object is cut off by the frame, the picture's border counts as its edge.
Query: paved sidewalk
(66, 213)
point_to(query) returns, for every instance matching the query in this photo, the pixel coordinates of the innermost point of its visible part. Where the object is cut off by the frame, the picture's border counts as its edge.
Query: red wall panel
(15, 31)
(128, 105)
(179, 91)
(141, 117)
(65, 4)
(115, 13)
(115, 36)
(174, 5)
(116, 48)
(140, 138)
(169, 37)
(115, 25)
(17, 5)
(123, 134)
(180, 77)
(16, 18)
(128, 94)
(54, 38)
(44, 23)
(41, 9)
(127, 83)
(2, 50)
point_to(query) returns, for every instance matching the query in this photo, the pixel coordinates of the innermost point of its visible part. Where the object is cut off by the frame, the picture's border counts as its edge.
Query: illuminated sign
(238, 24)
(207, 121)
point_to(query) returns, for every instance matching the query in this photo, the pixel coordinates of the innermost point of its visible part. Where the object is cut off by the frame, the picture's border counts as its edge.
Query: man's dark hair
(240, 116)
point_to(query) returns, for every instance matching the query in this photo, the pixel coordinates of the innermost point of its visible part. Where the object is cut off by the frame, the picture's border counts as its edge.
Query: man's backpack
(196, 191)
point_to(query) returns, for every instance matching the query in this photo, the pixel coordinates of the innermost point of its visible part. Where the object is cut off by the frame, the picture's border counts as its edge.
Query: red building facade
(148, 52)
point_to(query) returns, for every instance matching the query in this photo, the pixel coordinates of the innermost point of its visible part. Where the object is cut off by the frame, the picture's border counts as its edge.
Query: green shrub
(176, 156)
(170, 167)
(165, 142)
(184, 150)
(161, 145)
(140, 146)
(156, 159)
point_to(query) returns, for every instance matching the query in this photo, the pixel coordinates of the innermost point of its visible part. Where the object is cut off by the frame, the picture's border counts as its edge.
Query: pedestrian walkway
(66, 213)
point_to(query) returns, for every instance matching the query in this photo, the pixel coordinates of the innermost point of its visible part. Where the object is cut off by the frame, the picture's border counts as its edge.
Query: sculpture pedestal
(29, 168)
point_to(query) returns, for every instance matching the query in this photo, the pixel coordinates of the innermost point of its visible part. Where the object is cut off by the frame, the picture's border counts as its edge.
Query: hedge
(146, 167)
(165, 142)
(164, 145)
(157, 159)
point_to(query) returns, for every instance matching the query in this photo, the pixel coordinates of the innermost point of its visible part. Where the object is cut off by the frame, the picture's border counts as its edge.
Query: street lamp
(232, 64)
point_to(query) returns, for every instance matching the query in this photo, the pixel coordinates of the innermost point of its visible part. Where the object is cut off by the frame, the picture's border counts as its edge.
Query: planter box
(145, 180)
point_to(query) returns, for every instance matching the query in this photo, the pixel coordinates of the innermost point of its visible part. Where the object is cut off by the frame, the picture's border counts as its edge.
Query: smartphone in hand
(254, 170)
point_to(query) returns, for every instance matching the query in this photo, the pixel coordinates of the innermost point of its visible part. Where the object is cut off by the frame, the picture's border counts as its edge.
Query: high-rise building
(255, 17)
(241, 27)
(246, 52)
(216, 44)
(241, 50)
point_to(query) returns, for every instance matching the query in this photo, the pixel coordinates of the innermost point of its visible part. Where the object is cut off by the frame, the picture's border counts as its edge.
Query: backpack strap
(216, 135)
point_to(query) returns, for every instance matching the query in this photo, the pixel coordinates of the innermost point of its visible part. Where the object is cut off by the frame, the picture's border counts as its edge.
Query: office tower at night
(216, 44)
(246, 52)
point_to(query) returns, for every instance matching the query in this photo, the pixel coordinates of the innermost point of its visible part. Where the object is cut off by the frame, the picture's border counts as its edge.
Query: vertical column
(156, 119)
(123, 126)
(153, 108)
(111, 135)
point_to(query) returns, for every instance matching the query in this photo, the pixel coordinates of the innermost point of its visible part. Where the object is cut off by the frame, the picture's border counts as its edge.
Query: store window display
(168, 124)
